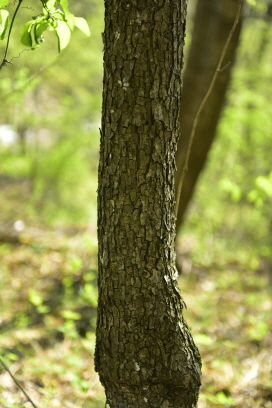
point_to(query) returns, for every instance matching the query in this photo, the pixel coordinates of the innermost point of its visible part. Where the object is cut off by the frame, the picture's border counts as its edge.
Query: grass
(48, 311)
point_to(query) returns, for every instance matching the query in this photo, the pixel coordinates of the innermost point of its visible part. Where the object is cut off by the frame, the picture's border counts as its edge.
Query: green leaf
(12, 356)
(50, 4)
(4, 20)
(35, 297)
(82, 24)
(70, 314)
(43, 309)
(64, 34)
(70, 18)
(258, 329)
(39, 29)
(3, 3)
(76, 264)
(58, 14)
(265, 184)
(223, 399)
(26, 38)
(203, 338)
(64, 5)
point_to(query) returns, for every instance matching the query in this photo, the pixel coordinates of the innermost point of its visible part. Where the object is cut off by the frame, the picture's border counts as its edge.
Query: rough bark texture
(212, 24)
(145, 355)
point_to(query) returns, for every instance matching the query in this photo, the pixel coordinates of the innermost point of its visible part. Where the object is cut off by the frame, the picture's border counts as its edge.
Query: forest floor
(47, 324)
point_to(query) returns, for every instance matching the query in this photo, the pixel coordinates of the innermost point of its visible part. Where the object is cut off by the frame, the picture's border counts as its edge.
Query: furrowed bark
(145, 354)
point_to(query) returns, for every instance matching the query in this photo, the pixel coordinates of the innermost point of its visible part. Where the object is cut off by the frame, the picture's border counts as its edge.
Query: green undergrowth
(48, 295)
(229, 311)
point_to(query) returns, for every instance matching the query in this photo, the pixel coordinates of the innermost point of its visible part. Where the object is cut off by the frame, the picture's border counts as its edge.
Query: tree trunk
(212, 25)
(145, 354)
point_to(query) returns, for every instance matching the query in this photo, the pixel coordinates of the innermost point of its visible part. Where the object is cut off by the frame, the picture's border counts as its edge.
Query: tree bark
(212, 25)
(145, 354)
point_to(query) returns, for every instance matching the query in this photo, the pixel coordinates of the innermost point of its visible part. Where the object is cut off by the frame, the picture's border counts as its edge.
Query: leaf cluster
(53, 19)
(55, 16)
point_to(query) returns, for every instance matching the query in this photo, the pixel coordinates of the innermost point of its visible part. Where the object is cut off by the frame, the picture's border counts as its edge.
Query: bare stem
(4, 61)
(17, 383)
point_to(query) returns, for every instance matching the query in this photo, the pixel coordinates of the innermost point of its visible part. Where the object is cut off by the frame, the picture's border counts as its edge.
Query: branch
(5, 61)
(16, 382)
(218, 70)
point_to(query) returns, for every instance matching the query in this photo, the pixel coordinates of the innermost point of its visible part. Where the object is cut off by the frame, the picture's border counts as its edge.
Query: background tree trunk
(145, 354)
(212, 24)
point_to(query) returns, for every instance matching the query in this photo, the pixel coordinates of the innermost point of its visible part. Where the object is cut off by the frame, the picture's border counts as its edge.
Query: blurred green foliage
(232, 207)
(53, 103)
(48, 283)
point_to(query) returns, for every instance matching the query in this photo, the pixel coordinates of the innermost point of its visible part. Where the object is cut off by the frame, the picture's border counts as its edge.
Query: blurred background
(49, 146)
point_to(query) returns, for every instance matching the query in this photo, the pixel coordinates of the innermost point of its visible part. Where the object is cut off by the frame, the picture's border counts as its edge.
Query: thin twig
(11, 3)
(5, 61)
(17, 383)
(21, 52)
(219, 69)
(31, 8)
